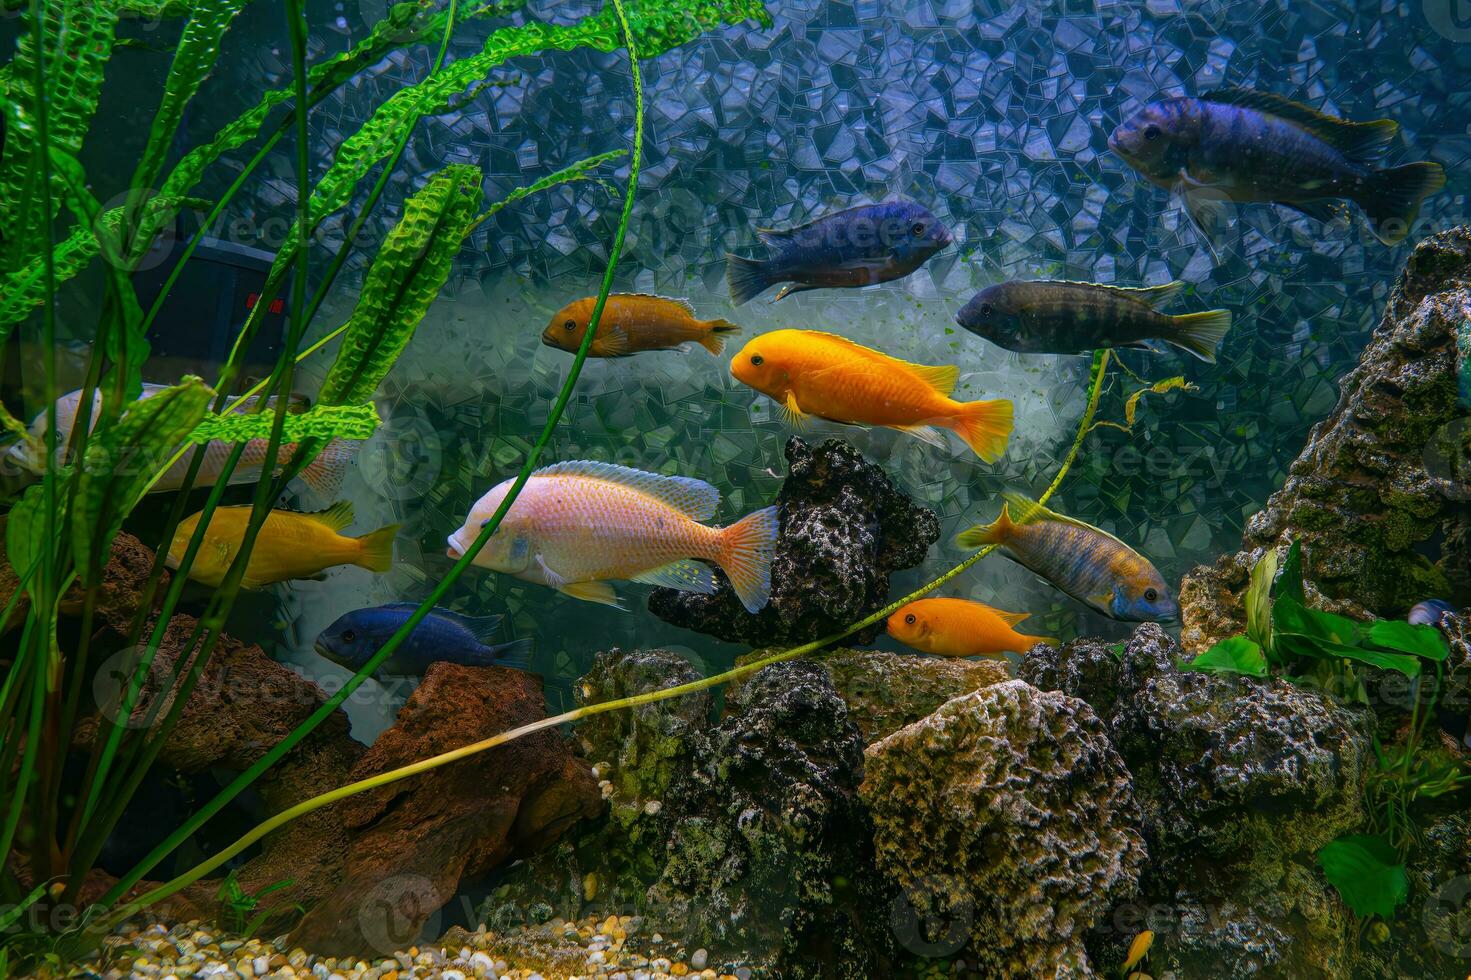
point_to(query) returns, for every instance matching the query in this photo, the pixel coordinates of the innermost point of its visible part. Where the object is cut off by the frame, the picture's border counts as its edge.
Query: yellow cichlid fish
(1088, 564)
(290, 545)
(960, 628)
(809, 372)
(576, 525)
(633, 322)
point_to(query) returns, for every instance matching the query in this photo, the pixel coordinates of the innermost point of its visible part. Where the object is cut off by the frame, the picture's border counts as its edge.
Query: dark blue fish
(1245, 146)
(441, 635)
(1429, 612)
(857, 247)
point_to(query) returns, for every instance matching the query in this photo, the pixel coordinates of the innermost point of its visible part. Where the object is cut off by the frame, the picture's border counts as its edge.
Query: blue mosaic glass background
(993, 115)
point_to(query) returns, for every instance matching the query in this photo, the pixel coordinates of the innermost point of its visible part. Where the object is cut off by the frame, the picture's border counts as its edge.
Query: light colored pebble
(699, 958)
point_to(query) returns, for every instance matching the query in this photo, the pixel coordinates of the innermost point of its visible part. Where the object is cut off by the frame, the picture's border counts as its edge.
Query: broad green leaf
(1302, 645)
(1289, 615)
(1290, 582)
(1422, 641)
(1259, 599)
(1368, 873)
(406, 275)
(121, 460)
(317, 422)
(1233, 655)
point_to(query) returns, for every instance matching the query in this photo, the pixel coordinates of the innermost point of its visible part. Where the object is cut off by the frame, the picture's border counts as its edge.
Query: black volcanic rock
(844, 529)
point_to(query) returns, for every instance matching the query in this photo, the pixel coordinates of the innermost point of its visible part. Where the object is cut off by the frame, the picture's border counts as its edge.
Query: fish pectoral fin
(1101, 600)
(1207, 210)
(792, 412)
(790, 288)
(686, 575)
(1324, 209)
(549, 576)
(600, 592)
(926, 433)
(1010, 618)
(614, 341)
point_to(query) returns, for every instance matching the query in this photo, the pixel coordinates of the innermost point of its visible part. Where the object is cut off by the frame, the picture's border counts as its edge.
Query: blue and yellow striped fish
(1090, 565)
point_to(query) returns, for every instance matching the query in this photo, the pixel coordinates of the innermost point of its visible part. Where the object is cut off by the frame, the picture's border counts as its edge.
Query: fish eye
(1151, 132)
(986, 309)
(909, 619)
(570, 324)
(918, 229)
(1150, 595)
(757, 360)
(348, 636)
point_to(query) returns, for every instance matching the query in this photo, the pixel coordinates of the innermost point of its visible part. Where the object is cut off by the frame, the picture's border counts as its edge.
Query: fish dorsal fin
(694, 498)
(1355, 140)
(483, 628)
(1009, 618)
(1026, 511)
(336, 517)
(941, 377)
(1153, 295)
(683, 304)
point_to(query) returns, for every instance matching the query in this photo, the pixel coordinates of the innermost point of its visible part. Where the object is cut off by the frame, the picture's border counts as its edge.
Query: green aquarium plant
(1332, 652)
(59, 531)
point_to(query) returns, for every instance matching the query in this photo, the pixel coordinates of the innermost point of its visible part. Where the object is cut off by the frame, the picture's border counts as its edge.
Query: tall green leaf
(120, 462)
(405, 277)
(1233, 655)
(1259, 599)
(25, 527)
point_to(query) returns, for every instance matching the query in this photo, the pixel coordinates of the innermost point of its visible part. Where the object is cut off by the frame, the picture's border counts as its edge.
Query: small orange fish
(960, 628)
(289, 545)
(634, 322)
(814, 373)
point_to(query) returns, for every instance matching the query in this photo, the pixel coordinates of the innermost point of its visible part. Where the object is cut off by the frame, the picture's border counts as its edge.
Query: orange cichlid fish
(634, 322)
(814, 373)
(961, 628)
(576, 525)
(1088, 564)
(290, 545)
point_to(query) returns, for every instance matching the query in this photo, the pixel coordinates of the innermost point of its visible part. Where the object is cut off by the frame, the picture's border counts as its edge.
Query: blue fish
(857, 247)
(1429, 612)
(442, 635)
(1245, 146)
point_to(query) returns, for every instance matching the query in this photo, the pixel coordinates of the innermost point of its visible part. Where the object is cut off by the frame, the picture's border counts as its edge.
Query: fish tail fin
(714, 341)
(377, 549)
(985, 426)
(746, 548)
(1391, 198)
(515, 654)
(1201, 333)
(997, 532)
(1034, 640)
(325, 473)
(747, 278)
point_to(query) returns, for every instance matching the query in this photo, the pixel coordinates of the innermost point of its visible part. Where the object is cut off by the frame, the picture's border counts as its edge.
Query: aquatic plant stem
(1095, 390)
(323, 711)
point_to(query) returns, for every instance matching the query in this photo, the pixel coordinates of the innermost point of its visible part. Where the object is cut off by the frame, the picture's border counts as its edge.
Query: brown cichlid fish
(1087, 563)
(290, 545)
(635, 322)
(1060, 317)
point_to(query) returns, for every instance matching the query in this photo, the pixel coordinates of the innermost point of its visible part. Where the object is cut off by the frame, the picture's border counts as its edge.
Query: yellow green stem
(1095, 389)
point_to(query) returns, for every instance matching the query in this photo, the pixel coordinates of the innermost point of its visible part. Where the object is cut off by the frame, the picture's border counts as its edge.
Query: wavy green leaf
(120, 462)
(1233, 655)
(317, 422)
(194, 59)
(78, 38)
(656, 27)
(25, 527)
(405, 277)
(1422, 641)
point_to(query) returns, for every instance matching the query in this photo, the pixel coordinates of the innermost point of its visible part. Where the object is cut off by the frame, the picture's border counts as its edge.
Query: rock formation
(844, 529)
